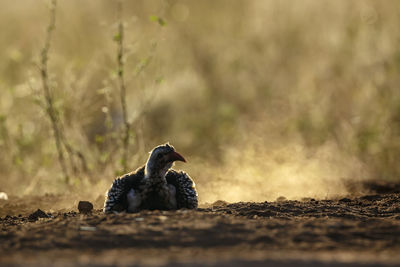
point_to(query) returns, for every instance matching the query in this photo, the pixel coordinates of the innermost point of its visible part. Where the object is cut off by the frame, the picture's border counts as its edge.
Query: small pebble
(85, 207)
(3, 196)
(87, 228)
(162, 218)
(281, 199)
(36, 215)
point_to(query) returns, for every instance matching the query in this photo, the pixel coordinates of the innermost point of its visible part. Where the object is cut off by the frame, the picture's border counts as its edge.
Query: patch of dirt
(363, 231)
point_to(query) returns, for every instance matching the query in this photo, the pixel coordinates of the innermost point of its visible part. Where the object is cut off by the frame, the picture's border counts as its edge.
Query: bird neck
(155, 173)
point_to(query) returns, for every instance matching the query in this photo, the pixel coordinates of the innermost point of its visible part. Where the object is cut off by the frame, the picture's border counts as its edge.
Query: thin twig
(122, 88)
(50, 110)
(72, 151)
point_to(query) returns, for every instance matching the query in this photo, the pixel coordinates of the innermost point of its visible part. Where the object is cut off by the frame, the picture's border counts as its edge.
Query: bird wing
(116, 196)
(186, 195)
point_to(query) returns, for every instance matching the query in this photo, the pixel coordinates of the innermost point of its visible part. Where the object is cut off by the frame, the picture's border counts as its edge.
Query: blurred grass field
(264, 98)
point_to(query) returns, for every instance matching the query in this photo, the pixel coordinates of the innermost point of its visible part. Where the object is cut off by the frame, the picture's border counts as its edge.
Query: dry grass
(269, 97)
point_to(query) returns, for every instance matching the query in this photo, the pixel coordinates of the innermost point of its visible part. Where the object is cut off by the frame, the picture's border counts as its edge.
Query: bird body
(153, 186)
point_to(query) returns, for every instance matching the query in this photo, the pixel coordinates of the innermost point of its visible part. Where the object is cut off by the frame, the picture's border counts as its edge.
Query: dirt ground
(362, 231)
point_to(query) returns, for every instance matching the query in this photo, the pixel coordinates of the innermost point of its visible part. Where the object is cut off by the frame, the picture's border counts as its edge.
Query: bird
(154, 186)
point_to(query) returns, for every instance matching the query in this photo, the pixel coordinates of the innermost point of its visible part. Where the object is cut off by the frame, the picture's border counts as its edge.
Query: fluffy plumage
(153, 186)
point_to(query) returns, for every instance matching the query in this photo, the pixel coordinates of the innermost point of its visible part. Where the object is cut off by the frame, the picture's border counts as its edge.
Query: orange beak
(175, 156)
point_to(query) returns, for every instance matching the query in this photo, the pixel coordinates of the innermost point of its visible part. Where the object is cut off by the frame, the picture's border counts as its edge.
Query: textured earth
(362, 231)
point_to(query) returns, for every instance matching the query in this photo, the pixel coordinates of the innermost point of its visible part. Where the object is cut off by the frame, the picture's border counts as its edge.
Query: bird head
(161, 159)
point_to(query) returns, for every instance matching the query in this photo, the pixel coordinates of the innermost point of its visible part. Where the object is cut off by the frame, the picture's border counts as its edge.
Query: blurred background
(264, 98)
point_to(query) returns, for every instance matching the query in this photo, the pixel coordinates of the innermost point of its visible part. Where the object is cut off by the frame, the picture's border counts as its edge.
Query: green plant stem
(121, 81)
(50, 110)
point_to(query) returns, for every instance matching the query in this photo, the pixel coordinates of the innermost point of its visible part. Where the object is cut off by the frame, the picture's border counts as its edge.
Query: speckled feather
(116, 197)
(186, 194)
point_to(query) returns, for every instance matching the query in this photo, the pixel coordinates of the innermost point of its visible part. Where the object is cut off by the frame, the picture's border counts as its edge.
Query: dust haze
(264, 172)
